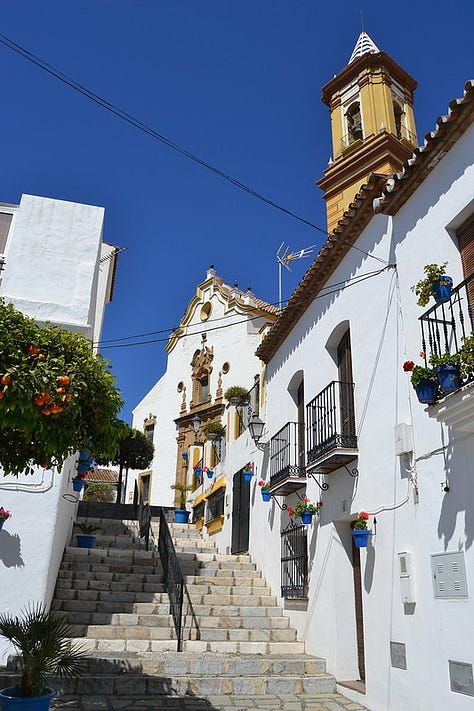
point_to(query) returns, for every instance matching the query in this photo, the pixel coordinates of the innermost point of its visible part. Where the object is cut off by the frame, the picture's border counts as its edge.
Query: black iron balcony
(287, 470)
(331, 435)
(444, 326)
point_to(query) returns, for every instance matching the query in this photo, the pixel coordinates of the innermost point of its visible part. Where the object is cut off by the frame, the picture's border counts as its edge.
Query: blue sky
(235, 82)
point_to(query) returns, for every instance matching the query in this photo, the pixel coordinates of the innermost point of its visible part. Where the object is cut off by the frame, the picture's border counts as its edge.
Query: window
(145, 486)
(149, 427)
(398, 113)
(354, 122)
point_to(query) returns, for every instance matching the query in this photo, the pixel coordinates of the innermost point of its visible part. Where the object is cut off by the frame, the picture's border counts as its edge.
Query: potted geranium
(209, 472)
(43, 640)
(236, 394)
(435, 284)
(447, 369)
(360, 532)
(4, 516)
(467, 357)
(305, 510)
(265, 489)
(424, 380)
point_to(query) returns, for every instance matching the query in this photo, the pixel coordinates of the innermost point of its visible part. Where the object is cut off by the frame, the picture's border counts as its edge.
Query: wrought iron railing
(215, 505)
(144, 521)
(198, 511)
(174, 580)
(287, 453)
(330, 420)
(294, 561)
(444, 326)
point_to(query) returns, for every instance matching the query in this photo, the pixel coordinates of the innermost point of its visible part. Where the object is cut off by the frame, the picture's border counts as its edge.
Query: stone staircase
(236, 640)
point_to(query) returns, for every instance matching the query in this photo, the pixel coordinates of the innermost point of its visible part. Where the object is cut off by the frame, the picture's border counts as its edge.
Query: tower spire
(363, 45)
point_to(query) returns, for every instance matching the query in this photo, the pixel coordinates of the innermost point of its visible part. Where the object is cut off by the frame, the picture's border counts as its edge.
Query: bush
(103, 493)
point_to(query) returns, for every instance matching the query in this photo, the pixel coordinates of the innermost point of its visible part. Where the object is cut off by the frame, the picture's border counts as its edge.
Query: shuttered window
(465, 236)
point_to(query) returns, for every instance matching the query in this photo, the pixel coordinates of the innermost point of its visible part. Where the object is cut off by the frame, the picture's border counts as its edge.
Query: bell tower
(372, 122)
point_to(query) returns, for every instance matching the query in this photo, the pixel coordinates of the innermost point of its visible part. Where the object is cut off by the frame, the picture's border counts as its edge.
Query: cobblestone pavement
(302, 702)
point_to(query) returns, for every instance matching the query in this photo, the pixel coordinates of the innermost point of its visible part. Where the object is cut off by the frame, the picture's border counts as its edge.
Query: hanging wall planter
(307, 518)
(266, 496)
(361, 537)
(77, 484)
(426, 391)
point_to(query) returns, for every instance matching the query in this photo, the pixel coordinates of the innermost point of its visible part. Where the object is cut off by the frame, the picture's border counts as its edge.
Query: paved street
(303, 702)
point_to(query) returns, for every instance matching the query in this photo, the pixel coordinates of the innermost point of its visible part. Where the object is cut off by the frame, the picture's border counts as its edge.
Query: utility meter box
(407, 577)
(403, 439)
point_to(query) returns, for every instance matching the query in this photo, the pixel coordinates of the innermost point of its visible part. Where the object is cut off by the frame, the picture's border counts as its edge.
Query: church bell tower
(372, 123)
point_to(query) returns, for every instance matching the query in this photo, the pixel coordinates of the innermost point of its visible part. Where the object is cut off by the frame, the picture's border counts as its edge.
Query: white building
(213, 349)
(55, 267)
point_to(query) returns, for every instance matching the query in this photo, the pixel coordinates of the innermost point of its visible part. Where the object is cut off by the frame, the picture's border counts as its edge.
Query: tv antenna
(284, 257)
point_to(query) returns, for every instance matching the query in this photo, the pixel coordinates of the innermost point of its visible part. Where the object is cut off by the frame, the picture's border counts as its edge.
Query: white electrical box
(403, 439)
(407, 577)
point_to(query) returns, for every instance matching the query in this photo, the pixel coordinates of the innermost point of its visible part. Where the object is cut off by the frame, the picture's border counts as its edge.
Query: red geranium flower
(408, 366)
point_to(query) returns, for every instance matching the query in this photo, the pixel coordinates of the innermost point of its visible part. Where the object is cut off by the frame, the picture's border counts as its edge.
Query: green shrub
(103, 493)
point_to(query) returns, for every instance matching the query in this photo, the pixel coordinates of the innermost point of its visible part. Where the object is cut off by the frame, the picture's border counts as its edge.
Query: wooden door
(240, 514)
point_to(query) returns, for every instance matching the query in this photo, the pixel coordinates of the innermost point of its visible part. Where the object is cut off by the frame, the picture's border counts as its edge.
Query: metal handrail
(174, 579)
(144, 521)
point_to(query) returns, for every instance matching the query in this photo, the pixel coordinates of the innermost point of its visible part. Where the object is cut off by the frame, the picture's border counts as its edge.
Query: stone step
(104, 555)
(228, 581)
(112, 586)
(70, 574)
(95, 646)
(225, 573)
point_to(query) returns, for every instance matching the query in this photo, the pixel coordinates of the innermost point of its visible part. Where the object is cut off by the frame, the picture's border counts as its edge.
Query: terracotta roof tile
(101, 476)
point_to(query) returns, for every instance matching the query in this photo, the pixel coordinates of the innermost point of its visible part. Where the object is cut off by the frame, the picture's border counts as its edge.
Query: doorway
(240, 514)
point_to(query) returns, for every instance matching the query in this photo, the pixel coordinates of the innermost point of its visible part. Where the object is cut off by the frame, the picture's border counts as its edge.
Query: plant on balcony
(305, 510)
(424, 381)
(236, 394)
(466, 355)
(248, 471)
(209, 471)
(447, 368)
(435, 284)
(265, 489)
(212, 430)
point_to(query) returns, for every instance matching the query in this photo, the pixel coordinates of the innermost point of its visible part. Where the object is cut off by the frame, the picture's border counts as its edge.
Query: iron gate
(294, 561)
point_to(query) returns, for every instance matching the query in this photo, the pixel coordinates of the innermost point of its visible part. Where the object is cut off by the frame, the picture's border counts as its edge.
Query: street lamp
(256, 427)
(196, 423)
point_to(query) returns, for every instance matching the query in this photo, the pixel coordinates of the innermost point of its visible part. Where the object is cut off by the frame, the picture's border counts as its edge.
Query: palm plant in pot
(213, 430)
(236, 394)
(42, 640)
(181, 515)
(86, 538)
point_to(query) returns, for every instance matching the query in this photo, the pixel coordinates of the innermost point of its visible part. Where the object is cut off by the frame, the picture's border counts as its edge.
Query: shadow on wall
(10, 550)
(459, 472)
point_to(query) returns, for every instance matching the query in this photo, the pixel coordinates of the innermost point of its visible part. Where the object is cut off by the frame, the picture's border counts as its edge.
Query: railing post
(174, 580)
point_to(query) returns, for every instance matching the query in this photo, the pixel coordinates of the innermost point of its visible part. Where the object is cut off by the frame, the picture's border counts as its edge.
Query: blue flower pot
(84, 540)
(361, 537)
(442, 289)
(78, 484)
(307, 517)
(181, 516)
(248, 475)
(210, 473)
(198, 471)
(12, 702)
(449, 378)
(426, 391)
(266, 496)
(2, 521)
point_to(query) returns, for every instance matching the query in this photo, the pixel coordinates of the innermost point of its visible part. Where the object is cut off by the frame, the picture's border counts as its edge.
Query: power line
(120, 113)
(334, 289)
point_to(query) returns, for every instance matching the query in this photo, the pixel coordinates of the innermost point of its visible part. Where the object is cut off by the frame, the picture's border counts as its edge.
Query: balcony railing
(444, 326)
(331, 434)
(287, 456)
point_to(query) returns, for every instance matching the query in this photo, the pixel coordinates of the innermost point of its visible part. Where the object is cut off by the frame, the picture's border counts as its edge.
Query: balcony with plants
(445, 379)
(331, 432)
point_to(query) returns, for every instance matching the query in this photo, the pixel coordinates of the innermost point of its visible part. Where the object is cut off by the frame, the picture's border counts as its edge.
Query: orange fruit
(41, 356)
(1, 394)
(5, 379)
(32, 350)
(64, 379)
(60, 390)
(46, 412)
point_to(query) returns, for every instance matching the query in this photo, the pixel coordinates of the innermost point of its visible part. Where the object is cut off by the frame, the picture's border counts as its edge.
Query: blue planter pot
(307, 517)
(248, 475)
(12, 702)
(181, 516)
(198, 472)
(78, 484)
(442, 289)
(2, 521)
(449, 378)
(426, 391)
(361, 537)
(210, 474)
(266, 496)
(84, 540)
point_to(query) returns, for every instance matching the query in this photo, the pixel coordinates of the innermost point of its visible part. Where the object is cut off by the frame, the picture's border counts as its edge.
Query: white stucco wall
(51, 273)
(413, 513)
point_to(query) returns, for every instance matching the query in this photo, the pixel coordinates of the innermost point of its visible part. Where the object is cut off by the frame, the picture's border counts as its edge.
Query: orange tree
(56, 396)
